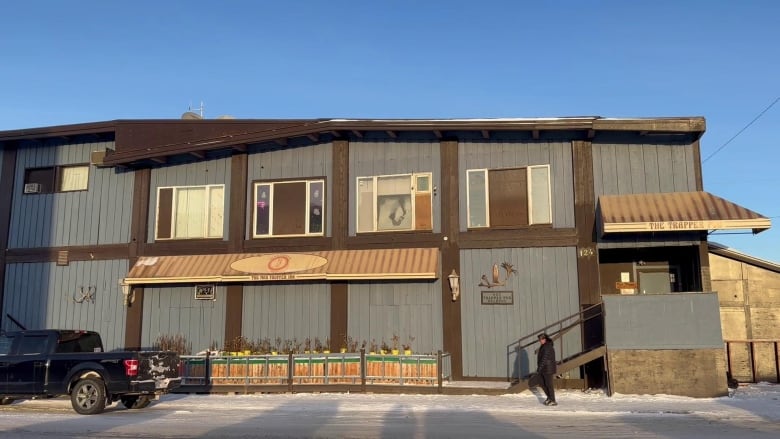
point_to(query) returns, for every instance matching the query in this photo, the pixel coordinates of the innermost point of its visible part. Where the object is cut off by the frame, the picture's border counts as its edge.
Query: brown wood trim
(238, 204)
(450, 254)
(268, 245)
(395, 239)
(585, 220)
(75, 253)
(6, 197)
(134, 318)
(339, 213)
(138, 220)
(697, 172)
(339, 316)
(521, 238)
(234, 311)
(187, 247)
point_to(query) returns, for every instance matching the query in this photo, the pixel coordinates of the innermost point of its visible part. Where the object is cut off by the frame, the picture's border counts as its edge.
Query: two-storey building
(456, 235)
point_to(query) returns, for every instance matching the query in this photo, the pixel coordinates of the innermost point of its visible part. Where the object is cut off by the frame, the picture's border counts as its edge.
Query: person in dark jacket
(546, 367)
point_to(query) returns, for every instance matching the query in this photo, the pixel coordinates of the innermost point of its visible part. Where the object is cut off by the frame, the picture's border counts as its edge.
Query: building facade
(455, 235)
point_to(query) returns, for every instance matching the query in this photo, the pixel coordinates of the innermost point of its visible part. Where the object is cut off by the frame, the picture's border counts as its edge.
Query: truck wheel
(135, 401)
(88, 396)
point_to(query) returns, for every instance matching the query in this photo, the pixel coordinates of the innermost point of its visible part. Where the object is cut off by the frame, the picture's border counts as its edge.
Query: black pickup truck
(49, 363)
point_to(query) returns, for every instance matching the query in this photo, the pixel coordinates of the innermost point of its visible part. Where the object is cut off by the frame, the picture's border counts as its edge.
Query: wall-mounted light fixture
(454, 284)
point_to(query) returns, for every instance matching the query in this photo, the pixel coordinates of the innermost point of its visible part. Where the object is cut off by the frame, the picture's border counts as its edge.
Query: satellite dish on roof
(226, 116)
(190, 115)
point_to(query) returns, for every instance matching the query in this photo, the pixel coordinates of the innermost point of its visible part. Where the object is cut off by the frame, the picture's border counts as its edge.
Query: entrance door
(657, 281)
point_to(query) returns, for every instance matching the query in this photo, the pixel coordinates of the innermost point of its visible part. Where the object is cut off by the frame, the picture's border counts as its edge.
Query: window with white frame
(289, 208)
(394, 202)
(190, 212)
(505, 198)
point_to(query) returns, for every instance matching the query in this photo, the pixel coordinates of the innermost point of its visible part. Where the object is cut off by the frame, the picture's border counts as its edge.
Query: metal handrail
(559, 333)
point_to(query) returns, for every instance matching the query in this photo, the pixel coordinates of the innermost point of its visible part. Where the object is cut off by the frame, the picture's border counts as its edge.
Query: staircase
(556, 331)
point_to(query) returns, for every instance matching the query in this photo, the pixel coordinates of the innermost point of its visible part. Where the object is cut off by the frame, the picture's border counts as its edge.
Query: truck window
(33, 344)
(5, 344)
(79, 342)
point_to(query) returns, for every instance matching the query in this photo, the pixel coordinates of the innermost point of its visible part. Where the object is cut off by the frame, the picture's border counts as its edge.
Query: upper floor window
(56, 179)
(394, 202)
(188, 212)
(509, 197)
(289, 208)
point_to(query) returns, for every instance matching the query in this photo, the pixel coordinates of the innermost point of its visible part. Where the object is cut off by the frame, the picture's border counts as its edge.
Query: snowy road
(753, 412)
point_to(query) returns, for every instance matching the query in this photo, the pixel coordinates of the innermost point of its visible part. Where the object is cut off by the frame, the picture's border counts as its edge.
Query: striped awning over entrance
(404, 263)
(676, 211)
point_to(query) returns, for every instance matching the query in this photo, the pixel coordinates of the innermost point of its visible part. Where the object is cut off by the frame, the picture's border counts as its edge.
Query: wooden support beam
(314, 137)
(357, 134)
(281, 142)
(199, 154)
(438, 134)
(392, 134)
(591, 134)
(535, 134)
(485, 134)
(160, 160)
(240, 147)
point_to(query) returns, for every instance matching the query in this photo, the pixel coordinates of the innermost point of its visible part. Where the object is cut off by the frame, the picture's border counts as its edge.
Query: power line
(743, 129)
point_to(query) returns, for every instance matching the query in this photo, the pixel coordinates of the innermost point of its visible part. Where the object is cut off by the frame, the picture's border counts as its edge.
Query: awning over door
(676, 211)
(406, 263)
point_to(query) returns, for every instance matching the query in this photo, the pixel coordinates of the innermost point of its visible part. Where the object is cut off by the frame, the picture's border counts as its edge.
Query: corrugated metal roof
(403, 263)
(676, 211)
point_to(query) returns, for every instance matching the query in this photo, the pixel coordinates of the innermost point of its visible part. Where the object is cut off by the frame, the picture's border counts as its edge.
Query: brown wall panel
(338, 313)
(584, 217)
(238, 185)
(699, 373)
(234, 309)
(134, 321)
(450, 256)
(141, 182)
(340, 196)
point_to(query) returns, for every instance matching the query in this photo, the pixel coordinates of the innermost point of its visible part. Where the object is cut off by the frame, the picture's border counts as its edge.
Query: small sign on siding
(498, 297)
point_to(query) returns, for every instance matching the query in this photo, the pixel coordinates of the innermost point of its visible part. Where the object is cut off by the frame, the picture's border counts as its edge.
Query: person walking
(546, 367)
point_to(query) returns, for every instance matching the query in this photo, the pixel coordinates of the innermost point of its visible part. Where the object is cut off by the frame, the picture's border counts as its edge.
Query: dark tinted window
(5, 344)
(33, 344)
(79, 342)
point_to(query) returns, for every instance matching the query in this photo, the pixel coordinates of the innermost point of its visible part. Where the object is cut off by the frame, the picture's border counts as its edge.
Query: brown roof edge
(59, 131)
(303, 127)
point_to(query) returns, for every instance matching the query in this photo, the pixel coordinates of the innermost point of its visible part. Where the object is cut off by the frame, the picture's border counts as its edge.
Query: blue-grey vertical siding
(173, 310)
(498, 155)
(544, 291)
(368, 159)
(305, 162)
(99, 215)
(380, 309)
(214, 171)
(663, 321)
(291, 311)
(44, 295)
(620, 169)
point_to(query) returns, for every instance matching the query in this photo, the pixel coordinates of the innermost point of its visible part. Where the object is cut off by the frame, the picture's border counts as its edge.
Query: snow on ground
(750, 411)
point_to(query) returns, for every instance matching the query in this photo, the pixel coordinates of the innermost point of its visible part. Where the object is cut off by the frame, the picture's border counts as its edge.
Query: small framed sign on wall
(498, 297)
(205, 292)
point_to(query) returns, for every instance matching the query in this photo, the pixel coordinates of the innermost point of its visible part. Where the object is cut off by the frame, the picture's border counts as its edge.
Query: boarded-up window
(505, 198)
(289, 208)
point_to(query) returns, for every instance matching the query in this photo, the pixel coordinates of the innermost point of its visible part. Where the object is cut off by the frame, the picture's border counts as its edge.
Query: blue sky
(88, 61)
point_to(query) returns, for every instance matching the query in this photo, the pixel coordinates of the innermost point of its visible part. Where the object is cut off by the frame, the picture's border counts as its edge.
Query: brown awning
(676, 211)
(404, 263)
